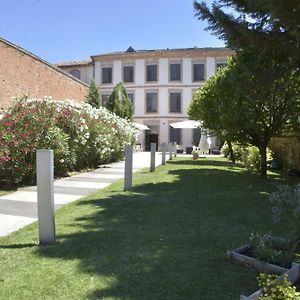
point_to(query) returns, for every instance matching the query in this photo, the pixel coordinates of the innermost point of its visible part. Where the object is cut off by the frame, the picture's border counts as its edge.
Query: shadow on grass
(18, 246)
(202, 162)
(167, 240)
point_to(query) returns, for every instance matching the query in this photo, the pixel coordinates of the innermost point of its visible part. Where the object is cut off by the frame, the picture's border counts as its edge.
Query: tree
(120, 103)
(248, 102)
(93, 97)
(269, 26)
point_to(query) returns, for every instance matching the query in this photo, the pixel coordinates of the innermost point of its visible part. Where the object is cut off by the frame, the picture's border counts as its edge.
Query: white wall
(97, 71)
(163, 86)
(117, 72)
(187, 71)
(210, 66)
(140, 72)
(163, 69)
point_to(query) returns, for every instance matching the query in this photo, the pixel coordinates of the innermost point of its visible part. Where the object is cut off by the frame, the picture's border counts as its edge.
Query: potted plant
(195, 154)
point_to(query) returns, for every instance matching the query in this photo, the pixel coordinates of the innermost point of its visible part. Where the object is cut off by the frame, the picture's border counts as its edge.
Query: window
(175, 102)
(104, 99)
(175, 72)
(151, 73)
(75, 73)
(131, 97)
(175, 135)
(198, 72)
(128, 73)
(151, 102)
(221, 65)
(196, 136)
(107, 75)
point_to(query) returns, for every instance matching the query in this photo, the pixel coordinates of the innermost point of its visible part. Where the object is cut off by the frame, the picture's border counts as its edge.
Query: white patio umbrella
(141, 126)
(186, 124)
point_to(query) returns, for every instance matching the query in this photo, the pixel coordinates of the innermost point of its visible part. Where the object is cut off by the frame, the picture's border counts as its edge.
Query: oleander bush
(80, 135)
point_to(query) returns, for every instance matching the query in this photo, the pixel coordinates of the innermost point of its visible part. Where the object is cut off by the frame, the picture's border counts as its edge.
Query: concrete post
(170, 151)
(128, 168)
(152, 161)
(163, 154)
(45, 196)
(175, 149)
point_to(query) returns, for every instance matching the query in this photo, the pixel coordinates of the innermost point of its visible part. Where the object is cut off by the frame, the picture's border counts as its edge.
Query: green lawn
(165, 240)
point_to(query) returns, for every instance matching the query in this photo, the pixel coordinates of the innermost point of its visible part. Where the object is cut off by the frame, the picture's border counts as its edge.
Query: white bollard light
(175, 149)
(45, 195)
(152, 161)
(128, 168)
(170, 151)
(163, 155)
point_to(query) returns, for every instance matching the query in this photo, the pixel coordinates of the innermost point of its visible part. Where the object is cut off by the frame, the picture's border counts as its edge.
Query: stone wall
(288, 150)
(24, 73)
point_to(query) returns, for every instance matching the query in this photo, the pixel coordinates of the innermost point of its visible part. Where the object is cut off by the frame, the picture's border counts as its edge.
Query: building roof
(40, 60)
(131, 51)
(74, 63)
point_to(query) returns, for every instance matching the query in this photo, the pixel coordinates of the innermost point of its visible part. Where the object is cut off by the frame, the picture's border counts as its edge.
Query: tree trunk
(231, 153)
(263, 159)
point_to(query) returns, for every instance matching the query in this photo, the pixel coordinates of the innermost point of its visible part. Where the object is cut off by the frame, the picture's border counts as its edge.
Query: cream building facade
(160, 83)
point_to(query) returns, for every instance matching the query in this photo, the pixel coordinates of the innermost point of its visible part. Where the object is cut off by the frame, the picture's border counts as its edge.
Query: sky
(68, 30)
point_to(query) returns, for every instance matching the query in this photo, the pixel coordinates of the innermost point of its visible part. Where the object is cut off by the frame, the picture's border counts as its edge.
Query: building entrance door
(150, 138)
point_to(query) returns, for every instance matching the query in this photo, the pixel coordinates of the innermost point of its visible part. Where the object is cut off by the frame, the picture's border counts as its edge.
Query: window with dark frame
(75, 73)
(175, 102)
(175, 135)
(151, 73)
(175, 72)
(221, 65)
(128, 73)
(107, 75)
(131, 97)
(151, 102)
(198, 72)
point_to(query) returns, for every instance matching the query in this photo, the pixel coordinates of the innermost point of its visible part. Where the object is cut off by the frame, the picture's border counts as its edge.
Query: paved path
(19, 209)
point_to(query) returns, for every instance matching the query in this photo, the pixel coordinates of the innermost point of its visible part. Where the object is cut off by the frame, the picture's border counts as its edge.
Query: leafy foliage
(80, 135)
(119, 102)
(269, 108)
(273, 249)
(93, 97)
(286, 207)
(274, 289)
(265, 27)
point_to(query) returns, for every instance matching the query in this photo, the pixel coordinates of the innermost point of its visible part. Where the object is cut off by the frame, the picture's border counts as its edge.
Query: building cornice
(165, 53)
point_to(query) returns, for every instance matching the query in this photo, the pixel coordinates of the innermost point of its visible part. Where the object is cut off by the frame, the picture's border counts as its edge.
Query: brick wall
(23, 73)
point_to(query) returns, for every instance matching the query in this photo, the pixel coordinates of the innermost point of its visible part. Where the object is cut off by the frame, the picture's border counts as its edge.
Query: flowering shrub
(80, 135)
(286, 207)
(273, 288)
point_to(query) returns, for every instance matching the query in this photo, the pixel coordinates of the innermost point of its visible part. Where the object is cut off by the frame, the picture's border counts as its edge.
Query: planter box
(293, 277)
(239, 255)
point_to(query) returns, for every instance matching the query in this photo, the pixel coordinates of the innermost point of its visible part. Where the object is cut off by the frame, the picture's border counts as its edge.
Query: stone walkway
(19, 209)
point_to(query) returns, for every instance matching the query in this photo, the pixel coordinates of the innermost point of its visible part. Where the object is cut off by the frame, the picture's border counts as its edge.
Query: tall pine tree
(120, 103)
(93, 97)
(265, 27)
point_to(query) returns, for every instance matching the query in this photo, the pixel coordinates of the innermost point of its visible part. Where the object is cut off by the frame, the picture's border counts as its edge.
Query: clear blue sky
(65, 30)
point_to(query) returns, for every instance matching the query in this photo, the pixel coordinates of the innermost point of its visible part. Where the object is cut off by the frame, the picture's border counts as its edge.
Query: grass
(167, 239)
